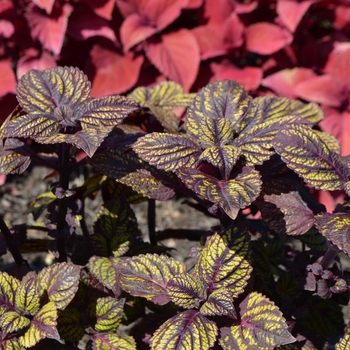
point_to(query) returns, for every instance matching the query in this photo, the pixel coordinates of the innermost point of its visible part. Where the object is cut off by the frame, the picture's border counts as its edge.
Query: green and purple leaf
(113, 342)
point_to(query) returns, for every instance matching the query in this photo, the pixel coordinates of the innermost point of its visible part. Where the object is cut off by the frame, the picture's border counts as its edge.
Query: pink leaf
(233, 32)
(114, 73)
(218, 10)
(147, 18)
(342, 17)
(266, 38)
(46, 5)
(340, 68)
(103, 8)
(338, 124)
(284, 81)
(193, 4)
(49, 29)
(128, 7)
(32, 60)
(6, 28)
(84, 24)
(249, 77)
(177, 56)
(321, 89)
(209, 38)
(8, 79)
(291, 12)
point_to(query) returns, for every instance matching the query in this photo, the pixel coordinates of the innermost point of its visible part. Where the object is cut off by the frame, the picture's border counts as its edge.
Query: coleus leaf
(222, 99)
(69, 325)
(166, 151)
(105, 271)
(231, 195)
(107, 313)
(297, 216)
(47, 5)
(223, 264)
(60, 282)
(309, 156)
(344, 342)
(335, 227)
(8, 287)
(147, 276)
(12, 321)
(27, 300)
(186, 329)
(170, 56)
(219, 302)
(8, 79)
(112, 341)
(274, 107)
(261, 326)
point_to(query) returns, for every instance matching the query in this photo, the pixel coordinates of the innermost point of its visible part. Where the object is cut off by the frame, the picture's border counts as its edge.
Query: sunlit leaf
(26, 298)
(219, 302)
(12, 321)
(231, 195)
(104, 270)
(223, 262)
(69, 325)
(60, 282)
(309, 156)
(147, 276)
(8, 287)
(111, 341)
(344, 342)
(261, 326)
(336, 228)
(223, 99)
(107, 313)
(167, 151)
(296, 214)
(186, 290)
(42, 326)
(186, 330)
(12, 344)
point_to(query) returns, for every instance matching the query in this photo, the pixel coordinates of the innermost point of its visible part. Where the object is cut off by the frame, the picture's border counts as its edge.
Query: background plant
(234, 156)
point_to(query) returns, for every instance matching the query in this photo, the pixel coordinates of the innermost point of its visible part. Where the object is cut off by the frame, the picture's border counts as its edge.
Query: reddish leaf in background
(148, 18)
(114, 73)
(33, 60)
(283, 81)
(103, 8)
(84, 24)
(8, 79)
(46, 5)
(176, 55)
(266, 38)
(209, 38)
(233, 30)
(49, 29)
(6, 28)
(193, 4)
(249, 77)
(127, 7)
(342, 17)
(291, 12)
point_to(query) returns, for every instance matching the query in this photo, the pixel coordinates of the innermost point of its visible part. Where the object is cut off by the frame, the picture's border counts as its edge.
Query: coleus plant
(249, 162)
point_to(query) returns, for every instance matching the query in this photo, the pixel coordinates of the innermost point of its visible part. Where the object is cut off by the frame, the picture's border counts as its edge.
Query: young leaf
(188, 329)
(166, 151)
(230, 195)
(219, 302)
(60, 282)
(221, 264)
(42, 326)
(261, 326)
(309, 156)
(113, 342)
(297, 216)
(108, 314)
(148, 275)
(186, 290)
(104, 270)
(335, 227)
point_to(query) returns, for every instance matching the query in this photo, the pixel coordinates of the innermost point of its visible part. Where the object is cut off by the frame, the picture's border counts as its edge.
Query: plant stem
(11, 243)
(329, 256)
(152, 221)
(64, 155)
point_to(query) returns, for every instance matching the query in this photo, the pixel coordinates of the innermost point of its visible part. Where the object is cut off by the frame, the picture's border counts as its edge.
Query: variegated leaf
(222, 99)
(309, 156)
(186, 330)
(42, 326)
(274, 107)
(186, 290)
(166, 151)
(261, 326)
(219, 302)
(336, 228)
(168, 119)
(148, 275)
(112, 341)
(344, 343)
(70, 325)
(221, 264)
(60, 282)
(231, 195)
(12, 321)
(8, 287)
(26, 298)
